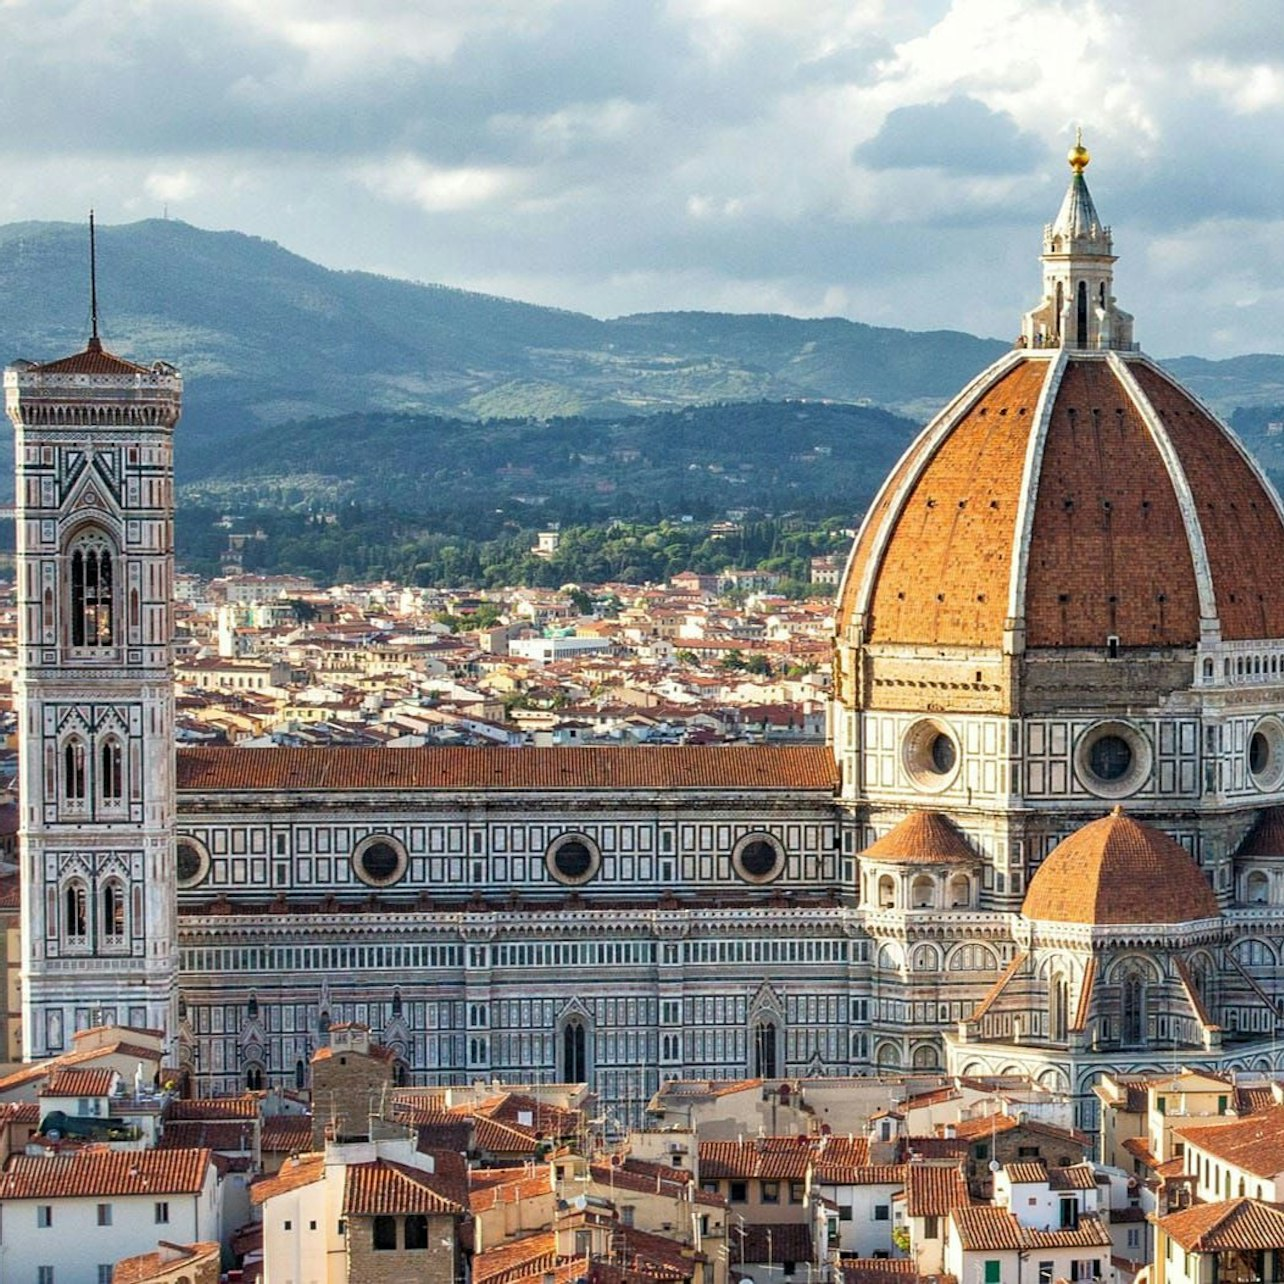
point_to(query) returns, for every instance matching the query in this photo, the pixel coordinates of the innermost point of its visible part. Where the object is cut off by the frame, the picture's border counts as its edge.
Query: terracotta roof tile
(94, 360)
(773, 767)
(105, 1172)
(934, 1190)
(984, 1227)
(529, 1254)
(1236, 1224)
(96, 1081)
(1242, 529)
(286, 1134)
(383, 1187)
(944, 574)
(1116, 870)
(213, 1108)
(162, 1263)
(774, 1242)
(217, 1134)
(837, 1157)
(922, 838)
(302, 1170)
(1266, 838)
(1255, 1144)
(768, 1158)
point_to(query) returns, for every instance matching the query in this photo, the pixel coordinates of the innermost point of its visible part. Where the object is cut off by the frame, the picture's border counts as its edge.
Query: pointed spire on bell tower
(95, 344)
(1078, 309)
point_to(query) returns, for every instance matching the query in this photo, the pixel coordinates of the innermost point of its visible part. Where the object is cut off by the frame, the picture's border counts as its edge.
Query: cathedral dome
(1073, 496)
(1117, 871)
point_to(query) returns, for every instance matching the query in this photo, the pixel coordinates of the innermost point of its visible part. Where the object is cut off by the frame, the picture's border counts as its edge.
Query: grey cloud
(960, 136)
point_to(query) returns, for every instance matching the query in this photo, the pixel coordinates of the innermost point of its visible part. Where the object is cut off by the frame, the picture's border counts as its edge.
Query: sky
(889, 161)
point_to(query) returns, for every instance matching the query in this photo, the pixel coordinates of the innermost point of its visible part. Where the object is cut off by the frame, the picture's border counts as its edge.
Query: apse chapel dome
(1118, 871)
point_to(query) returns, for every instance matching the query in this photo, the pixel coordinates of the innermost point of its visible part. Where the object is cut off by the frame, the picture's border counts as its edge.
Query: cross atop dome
(1078, 309)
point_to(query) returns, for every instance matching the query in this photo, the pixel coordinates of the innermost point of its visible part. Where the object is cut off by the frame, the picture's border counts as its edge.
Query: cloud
(960, 135)
(863, 154)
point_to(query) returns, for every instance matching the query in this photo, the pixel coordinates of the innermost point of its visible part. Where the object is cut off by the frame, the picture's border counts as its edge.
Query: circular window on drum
(930, 752)
(573, 859)
(1113, 760)
(1266, 754)
(379, 860)
(758, 858)
(191, 862)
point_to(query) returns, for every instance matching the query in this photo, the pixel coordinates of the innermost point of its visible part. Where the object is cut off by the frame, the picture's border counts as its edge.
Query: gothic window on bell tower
(75, 909)
(91, 571)
(111, 773)
(114, 923)
(74, 772)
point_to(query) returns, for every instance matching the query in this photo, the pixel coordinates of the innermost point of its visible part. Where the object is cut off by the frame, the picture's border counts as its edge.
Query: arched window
(254, 1077)
(111, 768)
(766, 1062)
(574, 1052)
(1081, 317)
(1257, 888)
(396, 1003)
(73, 770)
(113, 898)
(91, 592)
(960, 891)
(300, 1075)
(1060, 307)
(923, 892)
(1058, 1000)
(75, 902)
(886, 892)
(323, 1023)
(1133, 1010)
(252, 1007)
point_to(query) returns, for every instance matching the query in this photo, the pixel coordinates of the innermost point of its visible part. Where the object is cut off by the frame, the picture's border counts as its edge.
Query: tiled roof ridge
(991, 995)
(785, 767)
(1083, 1009)
(105, 1172)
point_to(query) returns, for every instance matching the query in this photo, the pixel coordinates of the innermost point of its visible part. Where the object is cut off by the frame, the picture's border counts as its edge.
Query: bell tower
(95, 692)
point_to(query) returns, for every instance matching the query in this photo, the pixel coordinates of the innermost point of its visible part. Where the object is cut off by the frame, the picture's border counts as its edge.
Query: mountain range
(266, 338)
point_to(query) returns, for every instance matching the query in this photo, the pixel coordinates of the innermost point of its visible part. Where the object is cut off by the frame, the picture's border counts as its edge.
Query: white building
(69, 1217)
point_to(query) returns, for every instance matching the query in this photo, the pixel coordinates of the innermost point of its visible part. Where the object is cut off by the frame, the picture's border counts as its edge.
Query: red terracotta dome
(1074, 492)
(1118, 871)
(1087, 495)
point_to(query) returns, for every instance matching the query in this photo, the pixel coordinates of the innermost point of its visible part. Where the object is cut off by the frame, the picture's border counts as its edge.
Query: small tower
(1078, 309)
(95, 691)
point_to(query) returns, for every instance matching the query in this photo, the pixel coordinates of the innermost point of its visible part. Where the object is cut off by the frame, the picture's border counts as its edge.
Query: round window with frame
(758, 858)
(191, 861)
(573, 859)
(379, 860)
(1113, 760)
(930, 754)
(1265, 754)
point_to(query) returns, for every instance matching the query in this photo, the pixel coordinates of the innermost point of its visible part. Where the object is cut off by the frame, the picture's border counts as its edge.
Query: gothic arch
(92, 563)
(114, 910)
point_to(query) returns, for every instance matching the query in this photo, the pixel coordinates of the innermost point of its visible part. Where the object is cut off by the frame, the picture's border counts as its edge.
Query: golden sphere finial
(1079, 155)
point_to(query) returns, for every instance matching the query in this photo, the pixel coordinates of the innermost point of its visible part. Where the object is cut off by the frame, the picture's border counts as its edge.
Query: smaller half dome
(1117, 870)
(922, 838)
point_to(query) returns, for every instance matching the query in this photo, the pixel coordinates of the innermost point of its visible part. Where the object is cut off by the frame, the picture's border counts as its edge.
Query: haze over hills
(266, 338)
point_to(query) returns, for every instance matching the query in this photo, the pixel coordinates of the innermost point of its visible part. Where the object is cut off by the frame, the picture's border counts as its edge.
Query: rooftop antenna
(95, 344)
